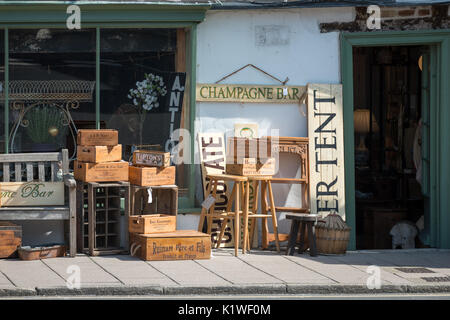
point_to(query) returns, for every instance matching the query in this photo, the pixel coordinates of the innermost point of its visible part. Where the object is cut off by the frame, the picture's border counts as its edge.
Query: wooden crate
(151, 158)
(164, 200)
(101, 137)
(39, 253)
(98, 154)
(101, 172)
(252, 167)
(178, 245)
(101, 229)
(152, 223)
(152, 176)
(10, 239)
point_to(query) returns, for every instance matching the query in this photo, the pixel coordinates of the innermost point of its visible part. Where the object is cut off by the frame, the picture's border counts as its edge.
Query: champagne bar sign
(326, 149)
(32, 193)
(249, 93)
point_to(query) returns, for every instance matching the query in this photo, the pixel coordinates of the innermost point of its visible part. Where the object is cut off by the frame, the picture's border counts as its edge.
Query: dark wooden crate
(164, 200)
(100, 230)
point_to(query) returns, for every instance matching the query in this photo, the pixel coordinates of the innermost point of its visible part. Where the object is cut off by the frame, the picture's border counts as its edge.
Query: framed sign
(326, 149)
(34, 193)
(248, 93)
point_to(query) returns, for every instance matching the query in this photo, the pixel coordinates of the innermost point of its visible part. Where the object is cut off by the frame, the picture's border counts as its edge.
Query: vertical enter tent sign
(326, 149)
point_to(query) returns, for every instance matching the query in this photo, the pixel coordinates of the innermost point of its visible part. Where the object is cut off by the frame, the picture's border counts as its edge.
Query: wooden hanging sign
(326, 149)
(33, 193)
(248, 93)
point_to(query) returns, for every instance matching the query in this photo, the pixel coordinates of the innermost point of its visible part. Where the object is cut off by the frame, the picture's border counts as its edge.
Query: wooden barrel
(332, 241)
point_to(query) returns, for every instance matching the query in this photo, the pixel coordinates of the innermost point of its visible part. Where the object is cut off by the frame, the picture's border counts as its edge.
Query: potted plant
(145, 96)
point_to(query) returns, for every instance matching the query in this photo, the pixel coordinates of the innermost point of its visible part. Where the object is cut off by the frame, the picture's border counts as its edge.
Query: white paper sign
(209, 201)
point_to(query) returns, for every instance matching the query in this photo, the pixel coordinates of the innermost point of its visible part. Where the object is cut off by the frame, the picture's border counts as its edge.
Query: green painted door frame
(103, 14)
(439, 41)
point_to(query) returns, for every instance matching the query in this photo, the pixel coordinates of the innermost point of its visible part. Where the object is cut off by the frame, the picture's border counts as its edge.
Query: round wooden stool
(302, 222)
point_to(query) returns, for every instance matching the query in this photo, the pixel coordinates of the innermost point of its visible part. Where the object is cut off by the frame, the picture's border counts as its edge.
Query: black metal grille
(436, 279)
(415, 270)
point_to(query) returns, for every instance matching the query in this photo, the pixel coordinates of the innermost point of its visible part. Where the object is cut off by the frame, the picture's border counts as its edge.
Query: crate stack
(152, 223)
(102, 184)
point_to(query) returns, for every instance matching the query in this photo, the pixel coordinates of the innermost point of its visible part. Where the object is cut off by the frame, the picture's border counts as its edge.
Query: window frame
(30, 14)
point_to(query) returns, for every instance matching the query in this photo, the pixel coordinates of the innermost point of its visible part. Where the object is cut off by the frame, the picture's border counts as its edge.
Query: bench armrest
(69, 181)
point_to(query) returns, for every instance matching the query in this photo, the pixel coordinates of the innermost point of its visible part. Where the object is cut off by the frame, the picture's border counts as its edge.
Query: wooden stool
(302, 222)
(266, 188)
(227, 215)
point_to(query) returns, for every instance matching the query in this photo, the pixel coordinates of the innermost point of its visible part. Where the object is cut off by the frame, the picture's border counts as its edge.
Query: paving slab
(132, 271)
(332, 268)
(188, 273)
(90, 272)
(284, 269)
(236, 271)
(30, 274)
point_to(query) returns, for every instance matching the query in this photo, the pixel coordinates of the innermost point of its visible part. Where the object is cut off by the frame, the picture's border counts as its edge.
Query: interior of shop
(388, 108)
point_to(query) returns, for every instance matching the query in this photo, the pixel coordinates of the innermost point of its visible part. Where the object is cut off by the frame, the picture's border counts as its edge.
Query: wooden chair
(228, 214)
(48, 165)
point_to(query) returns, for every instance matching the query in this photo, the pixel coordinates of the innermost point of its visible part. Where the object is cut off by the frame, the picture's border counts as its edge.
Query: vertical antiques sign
(326, 149)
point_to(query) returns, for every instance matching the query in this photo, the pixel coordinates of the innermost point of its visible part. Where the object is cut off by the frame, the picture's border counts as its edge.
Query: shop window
(51, 88)
(130, 59)
(2, 93)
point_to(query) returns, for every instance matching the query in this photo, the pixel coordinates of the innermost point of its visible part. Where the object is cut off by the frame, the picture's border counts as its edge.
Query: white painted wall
(228, 40)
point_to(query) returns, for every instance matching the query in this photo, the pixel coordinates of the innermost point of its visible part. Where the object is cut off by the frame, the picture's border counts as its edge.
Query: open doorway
(388, 112)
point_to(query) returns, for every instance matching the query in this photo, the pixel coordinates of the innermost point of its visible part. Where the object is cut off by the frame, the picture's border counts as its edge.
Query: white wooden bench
(41, 167)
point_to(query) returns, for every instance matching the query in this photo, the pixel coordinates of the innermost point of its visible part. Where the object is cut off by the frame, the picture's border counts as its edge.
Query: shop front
(57, 79)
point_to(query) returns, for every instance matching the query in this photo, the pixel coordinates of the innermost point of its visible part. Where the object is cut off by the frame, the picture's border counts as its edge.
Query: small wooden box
(177, 245)
(101, 137)
(164, 200)
(152, 223)
(151, 158)
(152, 176)
(252, 167)
(98, 154)
(42, 252)
(101, 172)
(10, 239)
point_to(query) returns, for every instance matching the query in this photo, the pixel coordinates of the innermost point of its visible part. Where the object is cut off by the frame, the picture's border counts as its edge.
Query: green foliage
(46, 124)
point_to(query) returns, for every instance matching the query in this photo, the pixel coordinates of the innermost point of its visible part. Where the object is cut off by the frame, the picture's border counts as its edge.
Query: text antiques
(326, 149)
(31, 193)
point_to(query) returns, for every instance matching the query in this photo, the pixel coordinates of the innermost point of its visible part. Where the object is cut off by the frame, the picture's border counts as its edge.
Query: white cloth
(403, 234)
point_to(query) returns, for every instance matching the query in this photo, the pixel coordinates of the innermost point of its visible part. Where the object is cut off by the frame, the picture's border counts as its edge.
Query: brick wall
(388, 13)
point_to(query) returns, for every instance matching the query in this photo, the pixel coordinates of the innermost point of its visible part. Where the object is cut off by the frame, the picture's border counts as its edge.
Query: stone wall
(396, 18)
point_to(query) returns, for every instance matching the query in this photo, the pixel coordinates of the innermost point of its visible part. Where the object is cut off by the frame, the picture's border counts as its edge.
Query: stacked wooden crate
(154, 236)
(250, 157)
(102, 184)
(99, 157)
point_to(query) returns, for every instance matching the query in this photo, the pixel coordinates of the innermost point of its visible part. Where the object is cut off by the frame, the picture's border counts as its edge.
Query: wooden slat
(289, 180)
(18, 170)
(291, 209)
(6, 172)
(29, 171)
(41, 171)
(38, 213)
(26, 157)
(53, 169)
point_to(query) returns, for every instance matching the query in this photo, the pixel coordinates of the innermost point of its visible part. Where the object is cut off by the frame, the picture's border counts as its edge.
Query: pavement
(419, 271)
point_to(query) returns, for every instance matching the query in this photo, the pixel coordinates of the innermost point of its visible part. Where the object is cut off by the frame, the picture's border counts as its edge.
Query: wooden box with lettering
(10, 239)
(177, 245)
(101, 172)
(100, 137)
(152, 176)
(152, 223)
(252, 167)
(151, 158)
(99, 153)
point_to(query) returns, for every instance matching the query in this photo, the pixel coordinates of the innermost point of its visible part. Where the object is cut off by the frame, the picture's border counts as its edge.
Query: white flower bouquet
(145, 96)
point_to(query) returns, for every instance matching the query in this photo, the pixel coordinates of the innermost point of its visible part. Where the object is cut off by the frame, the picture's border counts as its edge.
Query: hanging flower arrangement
(145, 96)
